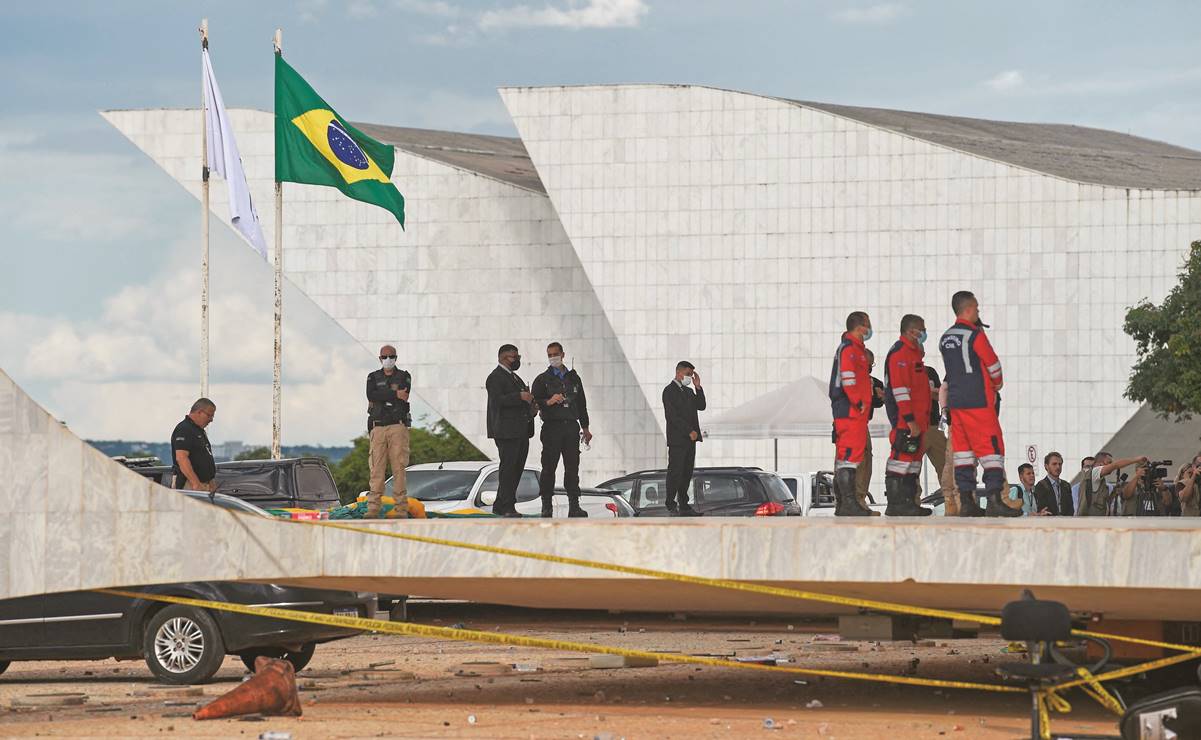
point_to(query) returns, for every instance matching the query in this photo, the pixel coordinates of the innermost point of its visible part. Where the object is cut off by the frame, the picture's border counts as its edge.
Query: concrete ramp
(72, 519)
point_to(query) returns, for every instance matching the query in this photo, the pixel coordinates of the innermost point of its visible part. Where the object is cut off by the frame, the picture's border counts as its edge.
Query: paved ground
(430, 688)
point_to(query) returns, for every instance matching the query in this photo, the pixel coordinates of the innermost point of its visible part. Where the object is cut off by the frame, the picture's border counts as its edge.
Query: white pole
(204, 221)
(279, 299)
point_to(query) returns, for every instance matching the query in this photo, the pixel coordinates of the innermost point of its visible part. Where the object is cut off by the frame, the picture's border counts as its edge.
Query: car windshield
(437, 485)
(777, 490)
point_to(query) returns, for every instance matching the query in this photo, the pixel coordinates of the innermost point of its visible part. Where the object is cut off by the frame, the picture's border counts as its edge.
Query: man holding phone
(680, 406)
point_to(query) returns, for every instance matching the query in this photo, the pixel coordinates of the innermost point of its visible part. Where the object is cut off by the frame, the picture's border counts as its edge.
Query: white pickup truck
(814, 492)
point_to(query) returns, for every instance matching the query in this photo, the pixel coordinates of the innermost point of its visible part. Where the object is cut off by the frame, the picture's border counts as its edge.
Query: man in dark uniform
(193, 465)
(388, 422)
(680, 404)
(559, 393)
(511, 424)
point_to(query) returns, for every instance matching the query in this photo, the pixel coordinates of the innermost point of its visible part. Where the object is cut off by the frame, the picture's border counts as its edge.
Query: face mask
(868, 335)
(921, 337)
(516, 364)
(388, 363)
(556, 361)
(686, 381)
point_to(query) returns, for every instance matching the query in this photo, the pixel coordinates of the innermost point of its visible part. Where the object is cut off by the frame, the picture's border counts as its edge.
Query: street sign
(1032, 454)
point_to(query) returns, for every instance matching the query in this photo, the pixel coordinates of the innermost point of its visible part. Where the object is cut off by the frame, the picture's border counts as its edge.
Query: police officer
(193, 464)
(851, 397)
(559, 393)
(974, 377)
(388, 422)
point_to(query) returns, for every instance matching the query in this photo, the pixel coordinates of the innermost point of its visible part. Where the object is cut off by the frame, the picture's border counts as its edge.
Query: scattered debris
(57, 699)
(770, 724)
(471, 719)
(381, 664)
(814, 704)
(605, 660)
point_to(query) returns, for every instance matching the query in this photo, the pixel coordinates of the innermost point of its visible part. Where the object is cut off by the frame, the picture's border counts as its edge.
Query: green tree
(1167, 374)
(258, 453)
(439, 443)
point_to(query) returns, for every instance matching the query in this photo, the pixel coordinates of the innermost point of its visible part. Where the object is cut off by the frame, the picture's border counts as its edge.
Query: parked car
(448, 486)
(297, 482)
(815, 493)
(733, 491)
(180, 644)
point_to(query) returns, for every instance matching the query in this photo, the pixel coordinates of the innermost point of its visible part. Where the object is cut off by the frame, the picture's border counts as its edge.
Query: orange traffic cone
(270, 691)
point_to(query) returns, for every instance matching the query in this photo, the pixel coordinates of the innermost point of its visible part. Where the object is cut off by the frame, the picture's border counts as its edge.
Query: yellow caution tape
(1098, 692)
(885, 606)
(450, 633)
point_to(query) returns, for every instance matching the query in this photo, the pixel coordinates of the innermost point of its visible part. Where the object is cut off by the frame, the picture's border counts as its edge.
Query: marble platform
(73, 519)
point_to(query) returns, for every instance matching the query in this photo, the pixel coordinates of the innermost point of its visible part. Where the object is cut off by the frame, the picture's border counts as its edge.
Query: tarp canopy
(799, 409)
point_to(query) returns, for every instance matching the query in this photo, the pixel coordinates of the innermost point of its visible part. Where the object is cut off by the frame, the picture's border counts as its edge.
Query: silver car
(451, 486)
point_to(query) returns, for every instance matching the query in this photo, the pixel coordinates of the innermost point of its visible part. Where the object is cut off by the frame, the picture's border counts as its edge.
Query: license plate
(346, 612)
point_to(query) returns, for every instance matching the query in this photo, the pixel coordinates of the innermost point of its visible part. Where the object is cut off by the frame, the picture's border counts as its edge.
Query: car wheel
(298, 658)
(3, 666)
(183, 645)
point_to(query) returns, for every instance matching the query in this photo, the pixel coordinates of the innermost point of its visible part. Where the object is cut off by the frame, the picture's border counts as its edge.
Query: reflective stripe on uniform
(899, 467)
(845, 464)
(992, 462)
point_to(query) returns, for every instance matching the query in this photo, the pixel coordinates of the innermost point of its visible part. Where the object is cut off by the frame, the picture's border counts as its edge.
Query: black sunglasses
(387, 357)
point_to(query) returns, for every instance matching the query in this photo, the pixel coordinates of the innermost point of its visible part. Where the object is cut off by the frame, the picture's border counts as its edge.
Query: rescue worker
(388, 422)
(559, 393)
(974, 376)
(907, 401)
(851, 403)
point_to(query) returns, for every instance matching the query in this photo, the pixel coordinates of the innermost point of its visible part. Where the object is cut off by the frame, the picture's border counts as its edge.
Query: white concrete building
(652, 223)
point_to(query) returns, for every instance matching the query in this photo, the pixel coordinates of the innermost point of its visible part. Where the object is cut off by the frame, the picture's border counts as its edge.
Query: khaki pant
(389, 444)
(863, 476)
(947, 480)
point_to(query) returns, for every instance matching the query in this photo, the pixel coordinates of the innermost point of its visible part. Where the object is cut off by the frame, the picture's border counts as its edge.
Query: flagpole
(204, 221)
(279, 298)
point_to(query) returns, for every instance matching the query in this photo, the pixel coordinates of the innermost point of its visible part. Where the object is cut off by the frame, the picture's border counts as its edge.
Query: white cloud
(574, 15)
(877, 14)
(435, 8)
(1010, 79)
(360, 9)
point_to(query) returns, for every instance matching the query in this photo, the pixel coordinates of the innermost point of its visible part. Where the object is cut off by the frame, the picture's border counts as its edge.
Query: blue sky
(98, 265)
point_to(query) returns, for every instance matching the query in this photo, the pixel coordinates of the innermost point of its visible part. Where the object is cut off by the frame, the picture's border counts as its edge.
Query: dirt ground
(391, 686)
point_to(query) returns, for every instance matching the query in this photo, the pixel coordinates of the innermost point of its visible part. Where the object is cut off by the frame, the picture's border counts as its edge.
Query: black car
(298, 482)
(736, 491)
(181, 644)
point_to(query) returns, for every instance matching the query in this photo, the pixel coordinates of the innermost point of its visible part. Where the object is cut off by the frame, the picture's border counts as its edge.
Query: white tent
(799, 409)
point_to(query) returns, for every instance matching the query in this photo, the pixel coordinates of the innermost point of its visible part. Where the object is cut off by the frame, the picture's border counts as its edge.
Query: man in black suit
(511, 424)
(1052, 494)
(680, 404)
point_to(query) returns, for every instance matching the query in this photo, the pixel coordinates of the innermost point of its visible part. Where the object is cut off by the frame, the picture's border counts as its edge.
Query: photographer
(1153, 496)
(1097, 496)
(1187, 485)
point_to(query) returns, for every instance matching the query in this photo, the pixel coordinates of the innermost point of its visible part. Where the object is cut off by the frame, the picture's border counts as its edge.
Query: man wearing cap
(388, 422)
(680, 406)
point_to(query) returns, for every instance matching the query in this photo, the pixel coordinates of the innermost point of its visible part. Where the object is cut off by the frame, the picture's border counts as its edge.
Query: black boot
(900, 498)
(997, 507)
(574, 510)
(686, 510)
(911, 492)
(968, 506)
(846, 504)
(548, 507)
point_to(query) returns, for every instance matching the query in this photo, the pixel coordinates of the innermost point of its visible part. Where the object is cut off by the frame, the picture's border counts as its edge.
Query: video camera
(1158, 469)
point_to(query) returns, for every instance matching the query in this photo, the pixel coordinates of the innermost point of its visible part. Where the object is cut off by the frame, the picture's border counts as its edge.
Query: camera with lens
(1157, 469)
(1148, 496)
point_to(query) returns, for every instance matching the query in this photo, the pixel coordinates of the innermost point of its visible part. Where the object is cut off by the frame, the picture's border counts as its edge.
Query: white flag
(226, 162)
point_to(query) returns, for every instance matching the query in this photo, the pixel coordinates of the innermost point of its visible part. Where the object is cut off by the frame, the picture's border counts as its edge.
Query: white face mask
(388, 363)
(556, 361)
(686, 381)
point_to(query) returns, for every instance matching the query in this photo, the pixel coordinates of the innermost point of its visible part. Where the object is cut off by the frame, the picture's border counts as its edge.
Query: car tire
(298, 658)
(183, 645)
(3, 665)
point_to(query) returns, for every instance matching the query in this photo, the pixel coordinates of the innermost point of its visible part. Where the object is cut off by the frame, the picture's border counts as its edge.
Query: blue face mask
(921, 338)
(868, 335)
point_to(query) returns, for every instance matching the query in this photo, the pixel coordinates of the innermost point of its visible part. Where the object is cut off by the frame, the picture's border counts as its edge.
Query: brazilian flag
(316, 146)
